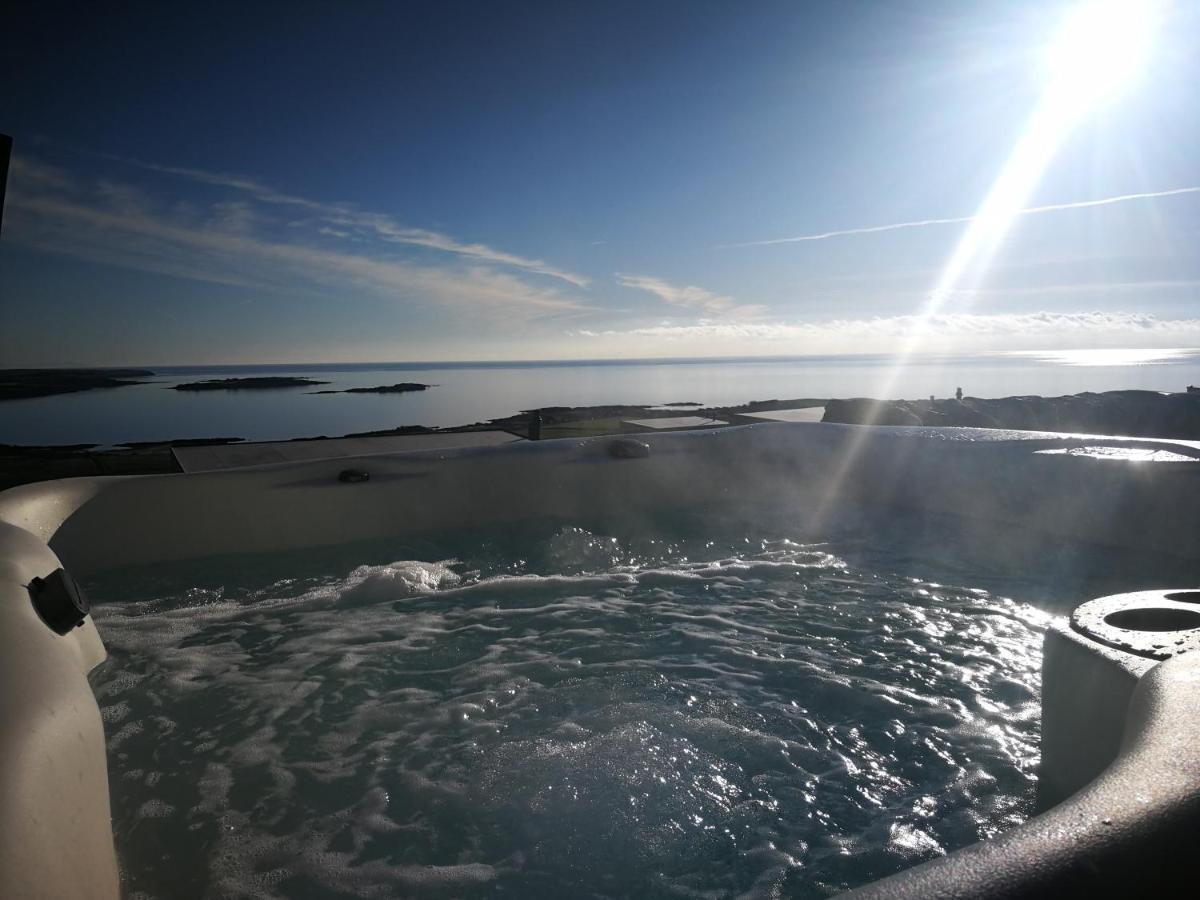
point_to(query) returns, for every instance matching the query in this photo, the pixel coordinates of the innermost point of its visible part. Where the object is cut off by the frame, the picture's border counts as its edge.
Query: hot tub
(1083, 515)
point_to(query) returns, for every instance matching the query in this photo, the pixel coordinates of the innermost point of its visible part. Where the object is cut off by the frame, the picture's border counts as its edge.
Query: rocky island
(22, 384)
(402, 388)
(248, 384)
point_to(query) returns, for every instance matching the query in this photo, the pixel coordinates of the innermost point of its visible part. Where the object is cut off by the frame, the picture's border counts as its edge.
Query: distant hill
(1126, 413)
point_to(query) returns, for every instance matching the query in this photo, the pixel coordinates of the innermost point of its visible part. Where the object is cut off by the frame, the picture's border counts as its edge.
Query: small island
(402, 388)
(247, 384)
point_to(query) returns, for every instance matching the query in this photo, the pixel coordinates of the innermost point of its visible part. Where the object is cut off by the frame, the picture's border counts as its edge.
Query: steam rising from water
(581, 715)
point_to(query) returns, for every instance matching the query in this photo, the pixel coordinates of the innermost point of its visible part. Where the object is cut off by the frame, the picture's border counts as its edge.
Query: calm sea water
(555, 712)
(468, 393)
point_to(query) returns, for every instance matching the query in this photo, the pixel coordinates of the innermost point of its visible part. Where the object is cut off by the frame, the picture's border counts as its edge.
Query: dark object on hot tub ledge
(628, 448)
(59, 601)
(1129, 833)
(353, 476)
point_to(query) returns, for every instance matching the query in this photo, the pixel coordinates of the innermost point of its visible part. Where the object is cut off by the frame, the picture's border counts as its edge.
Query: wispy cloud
(388, 230)
(957, 220)
(33, 174)
(340, 216)
(690, 297)
(230, 242)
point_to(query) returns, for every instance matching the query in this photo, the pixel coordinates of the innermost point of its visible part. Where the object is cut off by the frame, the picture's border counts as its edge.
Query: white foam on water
(721, 726)
(372, 584)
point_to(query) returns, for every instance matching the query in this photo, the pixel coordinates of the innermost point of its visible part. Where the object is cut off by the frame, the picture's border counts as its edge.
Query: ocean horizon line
(1173, 354)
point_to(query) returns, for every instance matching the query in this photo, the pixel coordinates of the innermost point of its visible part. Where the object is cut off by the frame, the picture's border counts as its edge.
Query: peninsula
(23, 384)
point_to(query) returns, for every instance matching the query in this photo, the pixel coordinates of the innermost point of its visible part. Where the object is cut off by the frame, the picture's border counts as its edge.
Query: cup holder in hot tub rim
(1183, 596)
(1153, 618)
(1156, 624)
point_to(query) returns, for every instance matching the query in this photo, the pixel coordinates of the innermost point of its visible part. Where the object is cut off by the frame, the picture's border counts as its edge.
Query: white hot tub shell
(1001, 488)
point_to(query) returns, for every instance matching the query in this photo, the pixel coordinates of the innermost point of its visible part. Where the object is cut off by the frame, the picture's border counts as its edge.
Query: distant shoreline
(30, 384)
(1168, 354)
(21, 464)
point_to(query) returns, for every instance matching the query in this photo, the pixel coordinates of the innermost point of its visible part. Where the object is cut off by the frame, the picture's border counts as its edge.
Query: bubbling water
(573, 714)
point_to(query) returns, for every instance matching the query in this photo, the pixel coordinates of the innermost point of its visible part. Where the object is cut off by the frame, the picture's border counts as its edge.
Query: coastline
(154, 411)
(23, 464)
(1134, 413)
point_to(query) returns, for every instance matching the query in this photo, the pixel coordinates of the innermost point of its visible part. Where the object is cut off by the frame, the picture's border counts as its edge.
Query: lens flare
(1099, 48)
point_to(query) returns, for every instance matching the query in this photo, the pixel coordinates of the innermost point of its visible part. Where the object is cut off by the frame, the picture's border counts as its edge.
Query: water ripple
(583, 716)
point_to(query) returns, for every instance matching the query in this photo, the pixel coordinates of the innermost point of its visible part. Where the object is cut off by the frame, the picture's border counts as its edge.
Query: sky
(321, 182)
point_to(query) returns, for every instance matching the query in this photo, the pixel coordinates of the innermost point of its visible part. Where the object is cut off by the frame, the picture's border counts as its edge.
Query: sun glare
(1108, 356)
(1100, 47)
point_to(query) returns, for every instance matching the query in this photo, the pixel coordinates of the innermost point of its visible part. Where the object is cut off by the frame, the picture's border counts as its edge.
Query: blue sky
(426, 181)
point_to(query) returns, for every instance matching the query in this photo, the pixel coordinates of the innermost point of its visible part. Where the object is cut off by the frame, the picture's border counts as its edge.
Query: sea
(465, 393)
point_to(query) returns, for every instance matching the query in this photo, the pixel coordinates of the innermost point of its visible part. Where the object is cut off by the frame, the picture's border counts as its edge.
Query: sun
(1096, 52)
(1099, 48)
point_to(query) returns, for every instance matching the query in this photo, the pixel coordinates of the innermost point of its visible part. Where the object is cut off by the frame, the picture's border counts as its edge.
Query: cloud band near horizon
(958, 332)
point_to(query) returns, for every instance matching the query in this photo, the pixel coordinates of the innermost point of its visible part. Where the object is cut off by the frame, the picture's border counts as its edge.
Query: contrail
(922, 223)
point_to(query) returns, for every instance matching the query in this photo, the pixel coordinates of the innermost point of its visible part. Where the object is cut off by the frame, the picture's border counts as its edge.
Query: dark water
(563, 713)
(468, 393)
